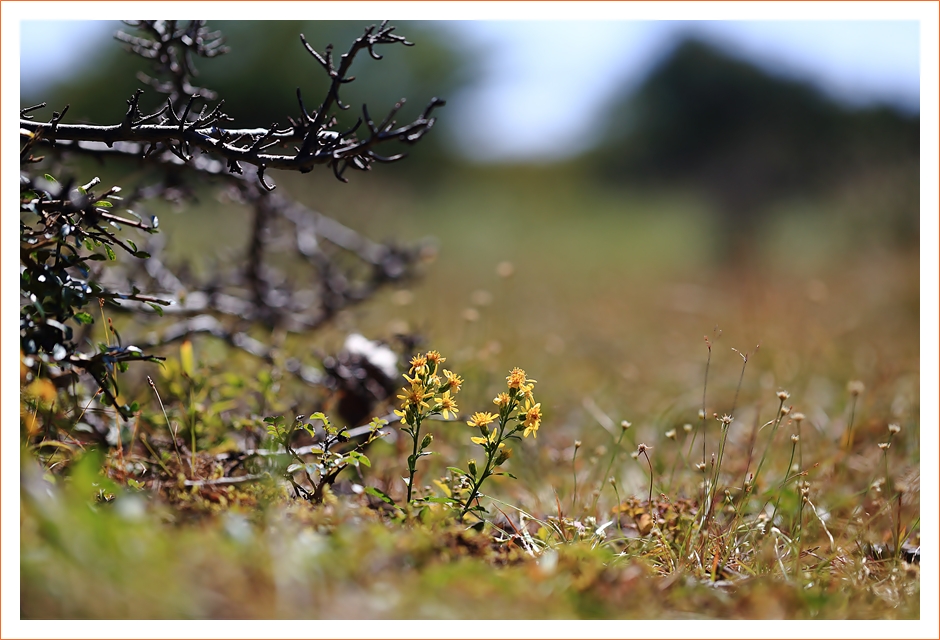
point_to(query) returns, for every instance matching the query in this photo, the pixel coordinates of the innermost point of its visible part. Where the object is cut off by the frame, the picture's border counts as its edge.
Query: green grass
(609, 300)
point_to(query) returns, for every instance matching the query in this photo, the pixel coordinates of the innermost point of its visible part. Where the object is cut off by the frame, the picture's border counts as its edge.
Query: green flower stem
(413, 460)
(490, 457)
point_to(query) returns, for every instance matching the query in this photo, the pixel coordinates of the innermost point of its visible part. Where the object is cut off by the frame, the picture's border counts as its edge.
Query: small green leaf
(51, 179)
(110, 252)
(156, 308)
(131, 244)
(360, 457)
(103, 203)
(381, 495)
(457, 471)
(441, 500)
(84, 318)
(143, 255)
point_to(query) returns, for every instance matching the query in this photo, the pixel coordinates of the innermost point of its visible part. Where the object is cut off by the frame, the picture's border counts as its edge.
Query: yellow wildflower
(516, 378)
(414, 397)
(531, 417)
(434, 357)
(453, 380)
(481, 419)
(489, 440)
(419, 364)
(448, 405)
(527, 390)
(501, 400)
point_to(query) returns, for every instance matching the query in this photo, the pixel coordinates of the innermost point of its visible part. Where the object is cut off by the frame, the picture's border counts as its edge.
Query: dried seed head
(700, 466)
(577, 445)
(671, 434)
(855, 387)
(894, 428)
(785, 410)
(642, 448)
(884, 445)
(783, 395)
(725, 419)
(794, 438)
(687, 427)
(799, 417)
(701, 414)
(625, 425)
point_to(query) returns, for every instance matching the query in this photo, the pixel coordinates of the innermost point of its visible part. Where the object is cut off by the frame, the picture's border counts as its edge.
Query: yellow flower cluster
(530, 413)
(420, 398)
(519, 397)
(530, 416)
(518, 411)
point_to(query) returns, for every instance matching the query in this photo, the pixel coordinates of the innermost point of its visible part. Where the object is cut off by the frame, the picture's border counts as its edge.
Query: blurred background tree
(706, 120)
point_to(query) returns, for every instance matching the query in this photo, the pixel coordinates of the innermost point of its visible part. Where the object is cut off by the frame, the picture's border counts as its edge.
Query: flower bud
(503, 456)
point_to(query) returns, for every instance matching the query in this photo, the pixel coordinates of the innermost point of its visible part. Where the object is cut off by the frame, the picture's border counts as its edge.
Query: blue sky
(570, 68)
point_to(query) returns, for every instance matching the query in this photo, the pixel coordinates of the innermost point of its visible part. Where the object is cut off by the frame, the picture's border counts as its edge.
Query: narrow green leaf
(381, 495)
(110, 252)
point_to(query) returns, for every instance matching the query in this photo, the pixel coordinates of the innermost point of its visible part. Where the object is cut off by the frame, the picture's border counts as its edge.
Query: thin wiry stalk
(574, 474)
(785, 480)
(773, 431)
(179, 458)
(704, 423)
(613, 454)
